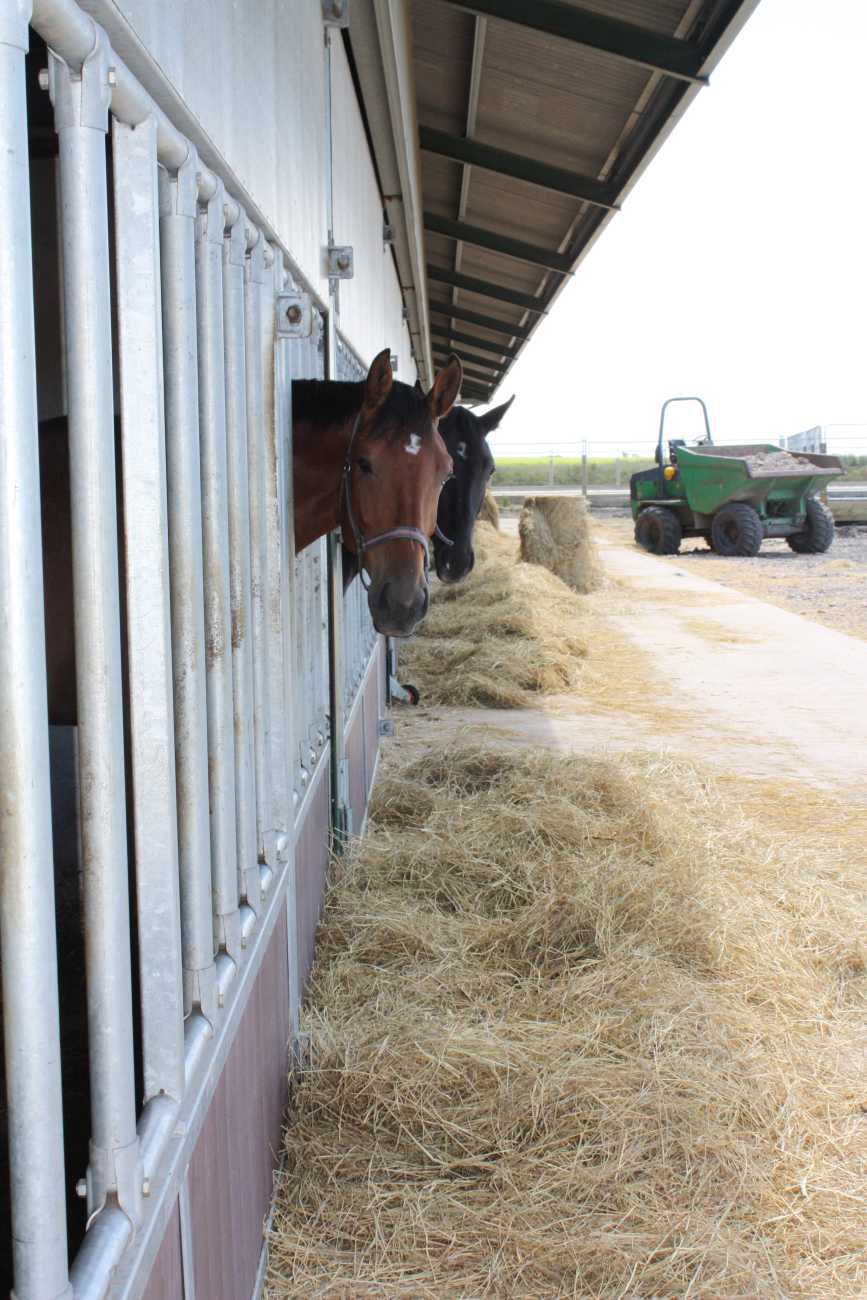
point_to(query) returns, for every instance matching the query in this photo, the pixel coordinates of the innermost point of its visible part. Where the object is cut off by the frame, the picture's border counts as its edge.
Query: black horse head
(465, 436)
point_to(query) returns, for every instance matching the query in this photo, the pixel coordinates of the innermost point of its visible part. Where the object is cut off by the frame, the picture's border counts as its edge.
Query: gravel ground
(830, 589)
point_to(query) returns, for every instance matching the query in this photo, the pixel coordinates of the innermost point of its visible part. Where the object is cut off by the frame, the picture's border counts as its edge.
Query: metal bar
(27, 937)
(148, 613)
(510, 329)
(516, 248)
(81, 120)
(275, 507)
(518, 166)
(283, 435)
(340, 807)
(470, 359)
(210, 225)
(487, 345)
(177, 233)
(487, 290)
(253, 287)
(240, 573)
(667, 54)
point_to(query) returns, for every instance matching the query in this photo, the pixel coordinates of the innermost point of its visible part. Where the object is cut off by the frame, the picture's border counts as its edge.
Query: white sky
(737, 269)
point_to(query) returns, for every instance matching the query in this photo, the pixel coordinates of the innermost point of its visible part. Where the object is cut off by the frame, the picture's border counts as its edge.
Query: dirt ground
(830, 589)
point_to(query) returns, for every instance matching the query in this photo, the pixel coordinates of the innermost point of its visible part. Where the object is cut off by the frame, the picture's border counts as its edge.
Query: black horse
(465, 436)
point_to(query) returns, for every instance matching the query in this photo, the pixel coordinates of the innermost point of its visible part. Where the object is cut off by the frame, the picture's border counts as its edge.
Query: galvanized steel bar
(340, 807)
(81, 120)
(240, 574)
(148, 614)
(27, 937)
(275, 508)
(177, 232)
(254, 285)
(210, 225)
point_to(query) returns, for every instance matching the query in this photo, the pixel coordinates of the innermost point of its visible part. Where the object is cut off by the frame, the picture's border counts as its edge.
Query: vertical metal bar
(256, 437)
(177, 231)
(148, 615)
(285, 498)
(276, 561)
(240, 575)
(27, 937)
(210, 225)
(340, 810)
(81, 119)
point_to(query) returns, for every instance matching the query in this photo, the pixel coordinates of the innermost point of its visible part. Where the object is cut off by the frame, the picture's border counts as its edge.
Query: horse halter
(403, 532)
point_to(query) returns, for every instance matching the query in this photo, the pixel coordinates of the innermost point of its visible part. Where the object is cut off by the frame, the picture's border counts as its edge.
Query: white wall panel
(370, 303)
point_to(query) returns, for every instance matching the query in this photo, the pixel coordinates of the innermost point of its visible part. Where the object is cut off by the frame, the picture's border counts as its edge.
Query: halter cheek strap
(404, 532)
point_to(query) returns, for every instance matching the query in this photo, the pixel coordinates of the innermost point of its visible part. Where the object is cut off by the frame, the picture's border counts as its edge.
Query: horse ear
(380, 378)
(491, 419)
(418, 388)
(446, 387)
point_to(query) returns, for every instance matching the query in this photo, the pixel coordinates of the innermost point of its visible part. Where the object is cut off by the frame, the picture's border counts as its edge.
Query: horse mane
(334, 401)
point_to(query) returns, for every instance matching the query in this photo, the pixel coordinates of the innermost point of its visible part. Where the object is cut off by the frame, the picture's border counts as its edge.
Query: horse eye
(364, 465)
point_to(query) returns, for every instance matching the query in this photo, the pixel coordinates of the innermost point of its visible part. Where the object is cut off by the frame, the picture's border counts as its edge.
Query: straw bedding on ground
(490, 511)
(581, 1029)
(555, 533)
(507, 634)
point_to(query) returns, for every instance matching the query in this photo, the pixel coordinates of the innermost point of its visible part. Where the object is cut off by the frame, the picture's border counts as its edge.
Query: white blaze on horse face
(413, 447)
(462, 450)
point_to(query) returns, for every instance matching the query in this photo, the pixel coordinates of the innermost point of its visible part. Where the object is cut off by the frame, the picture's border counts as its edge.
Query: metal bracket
(341, 262)
(335, 13)
(83, 100)
(386, 727)
(393, 359)
(294, 316)
(387, 233)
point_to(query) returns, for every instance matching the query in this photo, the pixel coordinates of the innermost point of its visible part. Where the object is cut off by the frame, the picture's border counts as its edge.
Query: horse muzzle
(397, 606)
(453, 565)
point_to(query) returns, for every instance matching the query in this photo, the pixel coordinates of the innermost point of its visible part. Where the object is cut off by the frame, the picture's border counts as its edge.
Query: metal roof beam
(478, 392)
(469, 359)
(480, 238)
(512, 331)
(667, 54)
(499, 349)
(517, 166)
(486, 290)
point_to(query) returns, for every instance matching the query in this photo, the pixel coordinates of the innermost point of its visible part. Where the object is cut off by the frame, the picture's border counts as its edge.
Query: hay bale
(555, 533)
(580, 1028)
(490, 511)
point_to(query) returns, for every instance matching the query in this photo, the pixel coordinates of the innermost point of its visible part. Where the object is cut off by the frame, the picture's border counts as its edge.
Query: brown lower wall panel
(166, 1281)
(311, 868)
(231, 1171)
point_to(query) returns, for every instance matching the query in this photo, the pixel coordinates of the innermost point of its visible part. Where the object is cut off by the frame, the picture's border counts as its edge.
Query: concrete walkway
(759, 691)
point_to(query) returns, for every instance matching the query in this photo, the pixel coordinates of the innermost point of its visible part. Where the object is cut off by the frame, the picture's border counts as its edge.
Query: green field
(607, 471)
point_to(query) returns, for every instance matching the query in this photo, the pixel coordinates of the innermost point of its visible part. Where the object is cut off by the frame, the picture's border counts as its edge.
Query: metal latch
(341, 262)
(294, 315)
(335, 13)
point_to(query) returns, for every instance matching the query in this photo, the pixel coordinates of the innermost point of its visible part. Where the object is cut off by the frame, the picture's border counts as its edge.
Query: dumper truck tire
(736, 529)
(819, 532)
(658, 530)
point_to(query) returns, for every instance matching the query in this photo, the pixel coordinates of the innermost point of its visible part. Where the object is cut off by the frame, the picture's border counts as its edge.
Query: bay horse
(465, 436)
(367, 457)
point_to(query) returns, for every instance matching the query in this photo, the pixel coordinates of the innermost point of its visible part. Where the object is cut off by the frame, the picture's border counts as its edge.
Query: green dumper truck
(733, 497)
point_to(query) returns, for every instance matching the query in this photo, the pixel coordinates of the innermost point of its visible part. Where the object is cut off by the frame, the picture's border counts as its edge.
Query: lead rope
(405, 532)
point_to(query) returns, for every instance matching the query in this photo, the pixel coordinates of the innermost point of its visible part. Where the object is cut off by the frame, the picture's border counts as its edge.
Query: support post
(584, 467)
(27, 937)
(81, 119)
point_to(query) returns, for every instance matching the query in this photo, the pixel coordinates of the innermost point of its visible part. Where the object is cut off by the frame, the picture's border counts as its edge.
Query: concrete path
(766, 693)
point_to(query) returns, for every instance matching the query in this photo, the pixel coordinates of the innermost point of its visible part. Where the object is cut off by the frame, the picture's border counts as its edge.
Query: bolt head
(43, 78)
(343, 262)
(294, 314)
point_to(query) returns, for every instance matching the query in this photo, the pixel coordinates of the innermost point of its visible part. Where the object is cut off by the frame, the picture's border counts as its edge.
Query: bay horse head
(466, 437)
(369, 459)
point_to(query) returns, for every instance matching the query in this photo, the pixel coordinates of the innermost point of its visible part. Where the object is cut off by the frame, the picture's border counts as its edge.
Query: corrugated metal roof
(587, 98)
